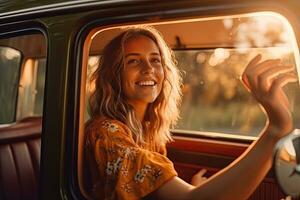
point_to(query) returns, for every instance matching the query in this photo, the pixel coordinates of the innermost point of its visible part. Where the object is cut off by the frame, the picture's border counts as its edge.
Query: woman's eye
(133, 61)
(155, 60)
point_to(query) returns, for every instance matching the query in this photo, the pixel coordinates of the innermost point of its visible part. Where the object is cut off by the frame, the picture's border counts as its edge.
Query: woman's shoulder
(107, 131)
(103, 124)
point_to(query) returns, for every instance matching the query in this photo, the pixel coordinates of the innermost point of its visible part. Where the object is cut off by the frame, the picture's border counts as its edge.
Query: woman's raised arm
(265, 81)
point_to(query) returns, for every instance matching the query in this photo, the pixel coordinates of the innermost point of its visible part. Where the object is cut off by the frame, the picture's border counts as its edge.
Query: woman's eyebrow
(137, 54)
(155, 54)
(131, 54)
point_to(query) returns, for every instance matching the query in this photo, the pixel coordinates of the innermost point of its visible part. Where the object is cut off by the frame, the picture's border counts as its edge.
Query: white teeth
(146, 83)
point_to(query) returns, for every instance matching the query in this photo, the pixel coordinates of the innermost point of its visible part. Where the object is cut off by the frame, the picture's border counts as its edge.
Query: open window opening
(212, 54)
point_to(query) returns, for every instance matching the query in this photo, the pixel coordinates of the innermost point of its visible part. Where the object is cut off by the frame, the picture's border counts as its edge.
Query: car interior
(211, 53)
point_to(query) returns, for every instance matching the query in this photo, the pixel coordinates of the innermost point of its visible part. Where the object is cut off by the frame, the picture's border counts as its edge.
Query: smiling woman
(143, 73)
(127, 99)
(131, 114)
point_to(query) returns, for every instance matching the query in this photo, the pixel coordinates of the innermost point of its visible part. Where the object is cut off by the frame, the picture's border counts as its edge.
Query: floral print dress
(118, 167)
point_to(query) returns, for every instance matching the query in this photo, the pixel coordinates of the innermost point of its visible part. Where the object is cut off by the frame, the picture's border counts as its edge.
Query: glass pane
(9, 77)
(214, 99)
(93, 63)
(22, 77)
(31, 92)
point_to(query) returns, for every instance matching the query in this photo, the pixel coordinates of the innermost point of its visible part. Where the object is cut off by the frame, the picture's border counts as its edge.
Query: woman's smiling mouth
(146, 83)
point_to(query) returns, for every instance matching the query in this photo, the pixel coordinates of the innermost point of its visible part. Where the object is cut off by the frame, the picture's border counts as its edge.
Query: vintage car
(48, 50)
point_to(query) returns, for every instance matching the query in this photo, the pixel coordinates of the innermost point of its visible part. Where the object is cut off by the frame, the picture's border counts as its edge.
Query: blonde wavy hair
(108, 99)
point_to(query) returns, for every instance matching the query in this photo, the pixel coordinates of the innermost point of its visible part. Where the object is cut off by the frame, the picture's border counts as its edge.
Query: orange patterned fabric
(119, 168)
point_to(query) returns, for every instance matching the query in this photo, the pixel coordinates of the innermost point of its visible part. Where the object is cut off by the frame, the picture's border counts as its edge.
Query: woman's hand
(287, 198)
(265, 81)
(199, 178)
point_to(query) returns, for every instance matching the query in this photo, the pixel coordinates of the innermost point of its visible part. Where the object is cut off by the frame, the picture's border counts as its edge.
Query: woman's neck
(140, 110)
(140, 113)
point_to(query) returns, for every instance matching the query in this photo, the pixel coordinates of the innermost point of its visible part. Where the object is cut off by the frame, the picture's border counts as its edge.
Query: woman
(136, 102)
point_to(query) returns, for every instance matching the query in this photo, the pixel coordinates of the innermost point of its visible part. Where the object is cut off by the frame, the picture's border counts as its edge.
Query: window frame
(21, 29)
(81, 49)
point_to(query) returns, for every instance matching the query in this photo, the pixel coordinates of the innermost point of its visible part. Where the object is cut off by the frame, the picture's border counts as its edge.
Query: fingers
(266, 77)
(265, 81)
(283, 80)
(254, 68)
(260, 67)
(259, 76)
(287, 198)
(202, 172)
(254, 61)
(200, 175)
(199, 178)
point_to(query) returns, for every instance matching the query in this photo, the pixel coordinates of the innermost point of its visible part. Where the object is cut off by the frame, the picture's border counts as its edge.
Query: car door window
(212, 54)
(10, 64)
(214, 98)
(22, 77)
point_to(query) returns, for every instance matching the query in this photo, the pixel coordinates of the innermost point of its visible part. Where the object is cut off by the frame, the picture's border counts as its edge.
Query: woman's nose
(147, 67)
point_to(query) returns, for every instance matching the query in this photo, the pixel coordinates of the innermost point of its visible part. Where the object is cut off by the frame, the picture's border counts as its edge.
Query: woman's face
(143, 72)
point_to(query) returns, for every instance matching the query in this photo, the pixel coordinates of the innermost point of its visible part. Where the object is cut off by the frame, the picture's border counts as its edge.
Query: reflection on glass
(214, 97)
(31, 92)
(93, 63)
(22, 77)
(10, 67)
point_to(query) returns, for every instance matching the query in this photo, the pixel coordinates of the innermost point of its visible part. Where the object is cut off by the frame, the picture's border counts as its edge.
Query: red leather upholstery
(20, 159)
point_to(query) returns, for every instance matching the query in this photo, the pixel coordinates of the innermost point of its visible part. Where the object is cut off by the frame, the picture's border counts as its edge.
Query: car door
(220, 119)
